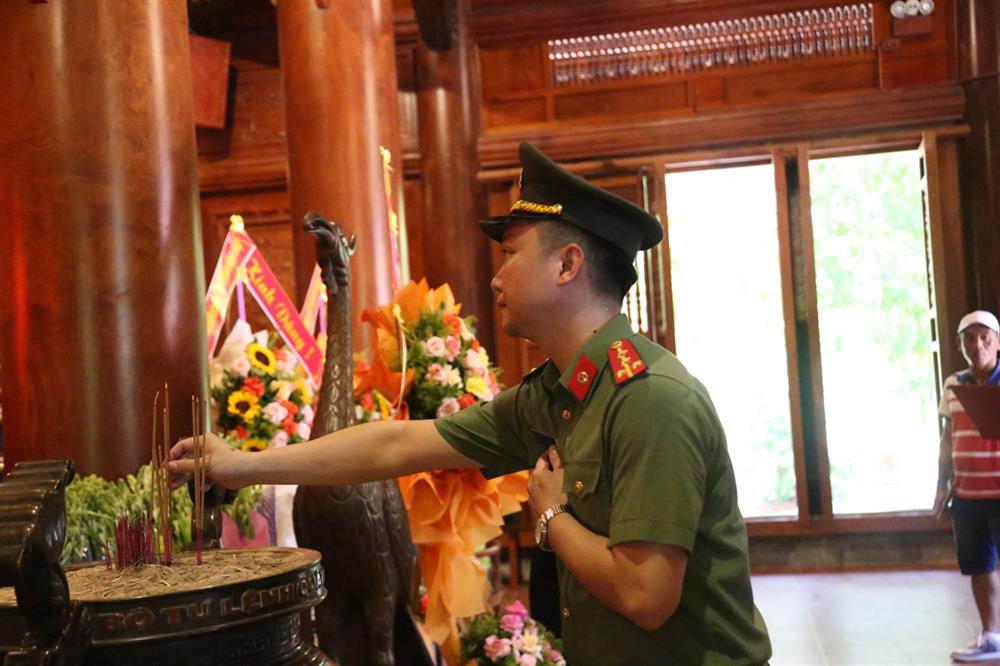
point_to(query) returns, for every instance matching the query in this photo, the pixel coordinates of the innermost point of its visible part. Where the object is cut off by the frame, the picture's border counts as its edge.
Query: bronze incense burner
(239, 607)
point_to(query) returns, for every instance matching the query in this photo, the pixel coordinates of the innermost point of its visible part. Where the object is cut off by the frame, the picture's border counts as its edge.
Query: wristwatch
(542, 526)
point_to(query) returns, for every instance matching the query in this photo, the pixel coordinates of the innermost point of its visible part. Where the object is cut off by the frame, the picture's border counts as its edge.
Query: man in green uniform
(631, 480)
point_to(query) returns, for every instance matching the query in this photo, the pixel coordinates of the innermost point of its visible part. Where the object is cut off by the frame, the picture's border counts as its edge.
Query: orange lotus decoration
(427, 362)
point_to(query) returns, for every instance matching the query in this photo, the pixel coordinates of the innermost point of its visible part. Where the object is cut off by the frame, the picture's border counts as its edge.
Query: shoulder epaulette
(626, 364)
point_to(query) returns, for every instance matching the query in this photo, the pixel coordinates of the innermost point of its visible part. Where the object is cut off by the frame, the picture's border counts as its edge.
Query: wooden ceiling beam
(774, 123)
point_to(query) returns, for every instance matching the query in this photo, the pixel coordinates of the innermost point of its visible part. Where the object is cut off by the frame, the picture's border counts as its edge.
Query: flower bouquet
(427, 352)
(510, 638)
(260, 393)
(427, 363)
(261, 397)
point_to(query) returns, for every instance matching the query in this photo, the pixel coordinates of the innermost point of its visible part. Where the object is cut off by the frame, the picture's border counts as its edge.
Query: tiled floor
(914, 617)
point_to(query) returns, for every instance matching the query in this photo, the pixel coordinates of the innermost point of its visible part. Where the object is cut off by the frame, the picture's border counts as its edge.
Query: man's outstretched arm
(368, 452)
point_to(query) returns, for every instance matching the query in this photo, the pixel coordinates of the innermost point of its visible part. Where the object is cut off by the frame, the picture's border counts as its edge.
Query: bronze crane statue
(361, 531)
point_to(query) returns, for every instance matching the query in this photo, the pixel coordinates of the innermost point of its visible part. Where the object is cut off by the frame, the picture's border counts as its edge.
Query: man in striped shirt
(969, 469)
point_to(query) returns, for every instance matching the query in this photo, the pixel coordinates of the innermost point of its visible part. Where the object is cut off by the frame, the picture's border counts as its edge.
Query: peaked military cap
(549, 192)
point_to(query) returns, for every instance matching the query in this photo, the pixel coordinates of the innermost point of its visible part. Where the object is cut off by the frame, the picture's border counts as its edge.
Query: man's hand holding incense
(224, 465)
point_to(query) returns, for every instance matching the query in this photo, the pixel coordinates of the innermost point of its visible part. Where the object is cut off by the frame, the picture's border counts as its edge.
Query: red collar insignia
(583, 376)
(625, 361)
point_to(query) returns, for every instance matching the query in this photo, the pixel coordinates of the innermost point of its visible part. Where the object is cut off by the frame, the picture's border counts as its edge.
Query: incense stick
(155, 463)
(162, 485)
(199, 490)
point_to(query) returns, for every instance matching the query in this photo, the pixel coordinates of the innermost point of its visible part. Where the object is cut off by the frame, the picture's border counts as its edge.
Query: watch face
(538, 532)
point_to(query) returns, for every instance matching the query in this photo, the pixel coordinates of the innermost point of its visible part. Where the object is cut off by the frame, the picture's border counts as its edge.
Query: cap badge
(522, 206)
(625, 361)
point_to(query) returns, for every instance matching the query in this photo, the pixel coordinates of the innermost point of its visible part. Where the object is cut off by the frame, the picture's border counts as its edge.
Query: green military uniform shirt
(644, 460)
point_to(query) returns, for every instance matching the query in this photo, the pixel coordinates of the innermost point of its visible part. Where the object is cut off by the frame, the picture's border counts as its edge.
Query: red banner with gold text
(241, 260)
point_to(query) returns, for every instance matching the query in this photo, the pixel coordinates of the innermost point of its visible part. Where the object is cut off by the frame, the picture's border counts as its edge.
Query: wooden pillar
(100, 267)
(338, 66)
(457, 252)
(979, 61)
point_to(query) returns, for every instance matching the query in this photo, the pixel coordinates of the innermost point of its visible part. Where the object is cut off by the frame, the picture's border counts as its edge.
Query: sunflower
(254, 445)
(262, 358)
(245, 404)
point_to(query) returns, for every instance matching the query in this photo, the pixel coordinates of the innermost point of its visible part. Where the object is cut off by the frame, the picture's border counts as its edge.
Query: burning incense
(199, 440)
(196, 459)
(161, 487)
(161, 534)
(156, 506)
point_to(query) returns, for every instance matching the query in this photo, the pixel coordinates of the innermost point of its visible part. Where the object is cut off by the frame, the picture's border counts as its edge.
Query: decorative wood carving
(707, 55)
(636, 54)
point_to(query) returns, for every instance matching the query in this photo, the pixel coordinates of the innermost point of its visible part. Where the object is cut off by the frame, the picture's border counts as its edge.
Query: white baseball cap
(981, 317)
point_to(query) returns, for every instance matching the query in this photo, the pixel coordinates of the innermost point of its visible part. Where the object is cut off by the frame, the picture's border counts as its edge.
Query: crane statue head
(333, 251)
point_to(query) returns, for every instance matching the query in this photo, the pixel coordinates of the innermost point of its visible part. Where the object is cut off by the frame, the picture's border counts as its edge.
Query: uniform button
(567, 415)
(578, 485)
(582, 377)
(565, 613)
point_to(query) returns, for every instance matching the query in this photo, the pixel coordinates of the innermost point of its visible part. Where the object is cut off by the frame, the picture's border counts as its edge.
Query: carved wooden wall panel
(567, 73)
(250, 151)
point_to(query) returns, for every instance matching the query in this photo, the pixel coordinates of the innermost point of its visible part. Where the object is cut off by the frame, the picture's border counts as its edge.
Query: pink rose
(452, 346)
(275, 413)
(496, 647)
(433, 347)
(280, 439)
(556, 657)
(448, 406)
(527, 660)
(516, 608)
(512, 623)
(491, 382)
(303, 430)
(473, 362)
(437, 373)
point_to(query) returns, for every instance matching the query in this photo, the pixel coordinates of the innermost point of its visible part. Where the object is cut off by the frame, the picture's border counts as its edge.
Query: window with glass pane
(729, 325)
(879, 389)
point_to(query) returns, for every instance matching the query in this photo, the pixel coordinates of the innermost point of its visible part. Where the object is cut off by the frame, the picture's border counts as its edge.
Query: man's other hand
(940, 503)
(545, 484)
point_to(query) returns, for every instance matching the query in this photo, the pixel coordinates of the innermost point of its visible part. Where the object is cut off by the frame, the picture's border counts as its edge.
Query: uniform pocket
(580, 477)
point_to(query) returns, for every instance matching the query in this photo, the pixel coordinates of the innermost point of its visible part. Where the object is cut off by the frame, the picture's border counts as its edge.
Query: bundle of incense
(198, 436)
(160, 495)
(134, 541)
